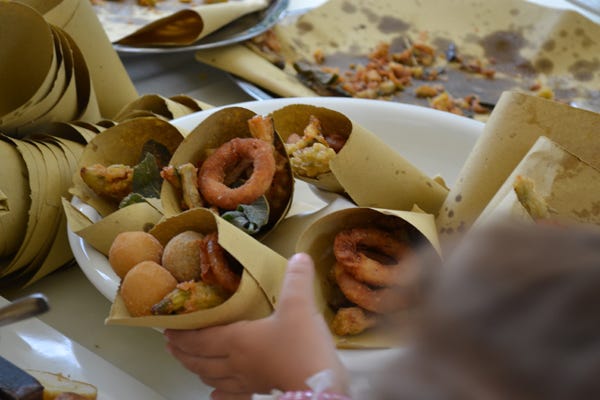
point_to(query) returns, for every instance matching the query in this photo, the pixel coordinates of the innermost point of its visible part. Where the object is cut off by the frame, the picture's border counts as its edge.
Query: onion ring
(215, 267)
(378, 300)
(348, 248)
(214, 169)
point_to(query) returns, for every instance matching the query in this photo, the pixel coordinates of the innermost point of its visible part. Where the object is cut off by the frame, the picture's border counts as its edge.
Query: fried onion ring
(214, 170)
(378, 300)
(215, 267)
(350, 248)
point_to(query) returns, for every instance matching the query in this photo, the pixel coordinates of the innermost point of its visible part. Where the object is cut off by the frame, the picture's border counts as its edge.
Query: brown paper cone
(14, 199)
(169, 23)
(191, 102)
(243, 62)
(25, 86)
(156, 104)
(370, 171)
(514, 126)
(219, 128)
(259, 287)
(121, 144)
(317, 240)
(112, 85)
(569, 187)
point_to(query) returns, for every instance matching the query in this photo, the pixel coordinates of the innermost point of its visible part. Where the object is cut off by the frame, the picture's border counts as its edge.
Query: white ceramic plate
(435, 141)
(31, 344)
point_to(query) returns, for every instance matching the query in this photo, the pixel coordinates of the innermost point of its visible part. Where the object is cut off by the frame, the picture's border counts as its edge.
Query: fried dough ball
(131, 248)
(183, 256)
(145, 285)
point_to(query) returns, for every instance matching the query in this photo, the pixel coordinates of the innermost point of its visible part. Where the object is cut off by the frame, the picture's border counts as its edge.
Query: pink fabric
(308, 395)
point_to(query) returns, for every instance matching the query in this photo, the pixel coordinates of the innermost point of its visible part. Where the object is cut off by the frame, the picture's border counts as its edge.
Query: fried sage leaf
(249, 217)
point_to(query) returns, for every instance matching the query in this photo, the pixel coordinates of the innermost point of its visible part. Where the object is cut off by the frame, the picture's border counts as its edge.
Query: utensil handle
(23, 308)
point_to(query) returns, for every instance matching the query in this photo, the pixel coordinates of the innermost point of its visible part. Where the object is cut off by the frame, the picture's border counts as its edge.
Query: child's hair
(514, 313)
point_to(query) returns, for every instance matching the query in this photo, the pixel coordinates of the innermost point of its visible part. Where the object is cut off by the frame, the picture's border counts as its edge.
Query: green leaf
(146, 177)
(249, 217)
(130, 199)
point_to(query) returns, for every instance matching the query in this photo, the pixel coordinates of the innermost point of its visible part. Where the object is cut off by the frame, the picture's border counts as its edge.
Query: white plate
(31, 344)
(435, 141)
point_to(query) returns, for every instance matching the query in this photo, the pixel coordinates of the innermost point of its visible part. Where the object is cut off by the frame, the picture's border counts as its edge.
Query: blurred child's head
(513, 313)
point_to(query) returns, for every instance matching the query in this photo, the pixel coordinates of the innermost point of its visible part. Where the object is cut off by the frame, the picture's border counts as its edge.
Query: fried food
(352, 321)
(215, 267)
(371, 255)
(376, 299)
(535, 204)
(145, 285)
(112, 182)
(190, 296)
(131, 248)
(183, 256)
(189, 185)
(311, 153)
(214, 170)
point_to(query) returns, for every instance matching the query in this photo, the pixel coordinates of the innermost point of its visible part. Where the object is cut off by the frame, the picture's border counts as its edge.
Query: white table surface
(78, 309)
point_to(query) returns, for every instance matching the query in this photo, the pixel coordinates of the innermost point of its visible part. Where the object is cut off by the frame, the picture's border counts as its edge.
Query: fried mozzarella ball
(145, 285)
(182, 256)
(130, 248)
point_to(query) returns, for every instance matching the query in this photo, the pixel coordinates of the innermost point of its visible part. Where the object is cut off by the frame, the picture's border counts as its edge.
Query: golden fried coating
(131, 248)
(352, 321)
(113, 182)
(145, 285)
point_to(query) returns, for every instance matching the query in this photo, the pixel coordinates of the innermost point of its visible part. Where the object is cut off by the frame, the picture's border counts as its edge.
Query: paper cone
(112, 84)
(169, 23)
(25, 86)
(14, 199)
(243, 62)
(317, 240)
(219, 128)
(157, 104)
(370, 171)
(566, 185)
(514, 126)
(121, 144)
(259, 287)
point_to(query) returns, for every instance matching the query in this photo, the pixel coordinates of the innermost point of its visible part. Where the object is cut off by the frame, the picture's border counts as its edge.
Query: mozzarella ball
(145, 285)
(183, 256)
(131, 248)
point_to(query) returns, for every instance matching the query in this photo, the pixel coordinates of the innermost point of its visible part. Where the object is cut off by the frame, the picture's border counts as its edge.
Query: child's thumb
(297, 290)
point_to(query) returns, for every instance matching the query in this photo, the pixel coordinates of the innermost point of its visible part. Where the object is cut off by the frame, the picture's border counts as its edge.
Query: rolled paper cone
(156, 104)
(121, 144)
(42, 215)
(170, 23)
(112, 85)
(243, 62)
(317, 240)
(31, 74)
(515, 124)
(221, 127)
(568, 187)
(14, 199)
(258, 290)
(191, 102)
(374, 175)
(87, 102)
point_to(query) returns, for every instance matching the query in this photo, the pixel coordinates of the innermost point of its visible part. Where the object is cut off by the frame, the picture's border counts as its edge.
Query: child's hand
(278, 352)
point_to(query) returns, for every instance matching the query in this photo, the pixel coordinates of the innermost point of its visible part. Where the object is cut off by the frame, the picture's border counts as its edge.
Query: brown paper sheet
(569, 187)
(514, 126)
(259, 287)
(317, 240)
(169, 22)
(525, 43)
